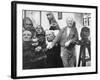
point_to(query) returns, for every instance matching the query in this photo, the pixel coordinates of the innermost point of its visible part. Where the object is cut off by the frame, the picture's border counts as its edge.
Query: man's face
(27, 36)
(27, 23)
(69, 23)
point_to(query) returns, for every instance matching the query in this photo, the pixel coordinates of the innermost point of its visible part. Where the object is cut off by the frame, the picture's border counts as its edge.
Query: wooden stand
(82, 56)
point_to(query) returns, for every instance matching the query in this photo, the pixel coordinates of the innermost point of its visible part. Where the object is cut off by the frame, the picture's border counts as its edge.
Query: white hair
(69, 19)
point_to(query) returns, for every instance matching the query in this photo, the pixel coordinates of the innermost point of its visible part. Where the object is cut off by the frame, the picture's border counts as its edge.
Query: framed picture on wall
(53, 39)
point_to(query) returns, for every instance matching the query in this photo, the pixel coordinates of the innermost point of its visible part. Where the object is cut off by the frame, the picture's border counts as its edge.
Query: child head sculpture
(27, 35)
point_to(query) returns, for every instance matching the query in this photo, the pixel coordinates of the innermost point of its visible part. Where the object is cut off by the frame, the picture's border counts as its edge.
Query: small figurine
(40, 34)
(39, 57)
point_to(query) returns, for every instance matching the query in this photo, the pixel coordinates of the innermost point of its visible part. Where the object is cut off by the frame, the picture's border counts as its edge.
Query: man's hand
(67, 43)
(38, 48)
(49, 46)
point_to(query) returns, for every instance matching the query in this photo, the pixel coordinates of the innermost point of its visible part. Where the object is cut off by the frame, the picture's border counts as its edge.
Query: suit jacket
(62, 36)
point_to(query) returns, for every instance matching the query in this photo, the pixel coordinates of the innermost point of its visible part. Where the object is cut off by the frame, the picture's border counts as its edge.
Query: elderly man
(67, 37)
